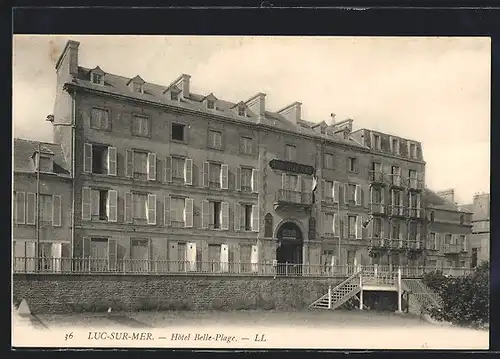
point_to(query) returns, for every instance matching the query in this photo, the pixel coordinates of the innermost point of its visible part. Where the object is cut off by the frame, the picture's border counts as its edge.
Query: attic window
(241, 111)
(137, 87)
(174, 96)
(97, 78)
(44, 162)
(211, 104)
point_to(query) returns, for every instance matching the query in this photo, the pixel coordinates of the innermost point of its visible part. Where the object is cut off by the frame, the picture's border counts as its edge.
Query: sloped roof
(435, 201)
(467, 207)
(23, 154)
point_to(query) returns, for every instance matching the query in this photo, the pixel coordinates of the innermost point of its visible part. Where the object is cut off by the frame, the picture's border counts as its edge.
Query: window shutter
(112, 161)
(128, 207)
(418, 205)
(211, 214)
(224, 215)
(94, 202)
(346, 193)
(401, 202)
(401, 230)
(86, 206)
(335, 225)
(390, 144)
(254, 258)
(166, 211)
(112, 254)
(255, 218)
(151, 210)
(112, 205)
(86, 247)
(87, 157)
(255, 180)
(283, 181)
(370, 230)
(346, 226)
(30, 208)
(151, 166)
(418, 232)
(205, 213)
(336, 191)
(237, 218)
(299, 184)
(56, 210)
(129, 160)
(409, 200)
(224, 257)
(408, 143)
(206, 168)
(168, 169)
(224, 176)
(188, 171)
(465, 244)
(359, 227)
(188, 212)
(237, 179)
(324, 190)
(358, 195)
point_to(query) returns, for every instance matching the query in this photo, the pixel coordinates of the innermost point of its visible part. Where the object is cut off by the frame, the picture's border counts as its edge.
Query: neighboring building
(480, 238)
(51, 228)
(449, 228)
(162, 173)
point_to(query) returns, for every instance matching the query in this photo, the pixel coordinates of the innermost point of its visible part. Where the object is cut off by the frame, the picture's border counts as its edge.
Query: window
(140, 165)
(210, 104)
(99, 204)
(45, 208)
(247, 215)
(432, 263)
(462, 243)
(376, 195)
(462, 218)
(178, 164)
(137, 87)
(431, 216)
(351, 223)
(241, 111)
(290, 153)
(328, 161)
(246, 179)
(174, 96)
(377, 227)
(329, 219)
(97, 78)
(99, 119)
(396, 198)
(352, 164)
(448, 239)
(140, 201)
(215, 139)
(396, 227)
(328, 189)
(412, 174)
(474, 255)
(177, 206)
(140, 126)
(45, 163)
(139, 253)
(246, 145)
(413, 200)
(215, 220)
(99, 159)
(413, 150)
(395, 146)
(99, 253)
(290, 182)
(377, 142)
(412, 231)
(351, 192)
(396, 175)
(178, 132)
(215, 175)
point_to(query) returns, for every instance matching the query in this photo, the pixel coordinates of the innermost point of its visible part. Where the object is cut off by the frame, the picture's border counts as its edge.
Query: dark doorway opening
(289, 251)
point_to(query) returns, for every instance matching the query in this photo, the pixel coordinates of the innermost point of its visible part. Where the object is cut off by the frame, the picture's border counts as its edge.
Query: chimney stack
(292, 112)
(257, 104)
(184, 85)
(69, 57)
(448, 194)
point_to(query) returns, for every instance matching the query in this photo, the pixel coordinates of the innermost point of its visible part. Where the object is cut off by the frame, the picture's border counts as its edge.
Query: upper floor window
(43, 163)
(351, 192)
(97, 78)
(177, 207)
(290, 182)
(178, 164)
(45, 208)
(174, 96)
(178, 132)
(328, 161)
(99, 119)
(215, 174)
(290, 153)
(351, 226)
(352, 164)
(377, 142)
(376, 195)
(431, 216)
(140, 164)
(242, 111)
(246, 145)
(395, 146)
(215, 139)
(137, 87)
(413, 150)
(141, 126)
(246, 179)
(377, 227)
(99, 159)
(432, 243)
(462, 218)
(211, 104)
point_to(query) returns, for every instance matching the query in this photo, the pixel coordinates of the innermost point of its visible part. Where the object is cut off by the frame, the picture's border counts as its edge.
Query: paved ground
(308, 329)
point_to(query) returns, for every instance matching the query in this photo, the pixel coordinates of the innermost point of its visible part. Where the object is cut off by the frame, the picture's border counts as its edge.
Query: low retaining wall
(60, 293)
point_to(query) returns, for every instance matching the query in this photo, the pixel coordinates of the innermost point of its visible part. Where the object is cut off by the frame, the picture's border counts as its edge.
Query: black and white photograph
(256, 192)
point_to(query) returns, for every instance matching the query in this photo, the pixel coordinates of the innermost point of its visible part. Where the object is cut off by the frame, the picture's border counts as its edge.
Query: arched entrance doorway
(290, 243)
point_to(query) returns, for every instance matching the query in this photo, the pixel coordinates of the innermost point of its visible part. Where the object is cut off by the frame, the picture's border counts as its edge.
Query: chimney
(448, 194)
(183, 83)
(292, 112)
(69, 57)
(257, 104)
(331, 120)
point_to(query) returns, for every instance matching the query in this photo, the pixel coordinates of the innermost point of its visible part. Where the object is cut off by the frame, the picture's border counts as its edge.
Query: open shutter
(224, 169)
(283, 181)
(255, 180)
(465, 246)
(224, 257)
(418, 232)
(112, 206)
(224, 216)
(206, 169)
(112, 254)
(359, 227)
(401, 208)
(324, 190)
(151, 210)
(346, 193)
(335, 224)
(86, 247)
(20, 207)
(358, 195)
(390, 145)
(168, 169)
(299, 184)
(87, 157)
(188, 171)
(86, 205)
(237, 179)
(112, 161)
(191, 256)
(166, 211)
(56, 210)
(254, 258)
(30, 208)
(237, 213)
(346, 227)
(382, 228)
(401, 229)
(129, 160)
(151, 166)
(336, 191)
(94, 202)
(418, 205)
(188, 212)
(128, 207)
(255, 218)
(205, 213)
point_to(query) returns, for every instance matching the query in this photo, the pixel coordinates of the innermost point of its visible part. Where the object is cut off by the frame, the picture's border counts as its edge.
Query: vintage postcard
(250, 192)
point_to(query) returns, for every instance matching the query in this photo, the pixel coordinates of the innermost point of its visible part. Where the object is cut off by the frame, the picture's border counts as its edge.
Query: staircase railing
(327, 296)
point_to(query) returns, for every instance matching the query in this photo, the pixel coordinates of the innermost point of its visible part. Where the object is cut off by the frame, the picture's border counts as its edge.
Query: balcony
(394, 243)
(415, 245)
(377, 208)
(287, 199)
(415, 184)
(397, 211)
(397, 181)
(377, 177)
(415, 213)
(377, 242)
(452, 248)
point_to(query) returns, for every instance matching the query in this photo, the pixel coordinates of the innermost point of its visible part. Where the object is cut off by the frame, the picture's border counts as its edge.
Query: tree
(465, 300)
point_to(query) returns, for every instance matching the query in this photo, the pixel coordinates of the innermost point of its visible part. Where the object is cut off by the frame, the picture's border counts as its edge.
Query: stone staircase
(423, 296)
(340, 294)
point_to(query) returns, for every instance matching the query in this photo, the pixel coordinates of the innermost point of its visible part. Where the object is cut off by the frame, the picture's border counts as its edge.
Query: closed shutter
(112, 205)
(30, 208)
(87, 158)
(224, 258)
(86, 203)
(299, 184)
(168, 169)
(346, 193)
(94, 202)
(346, 226)
(255, 218)
(237, 179)
(151, 210)
(112, 254)
(335, 224)
(254, 258)
(191, 256)
(188, 212)
(224, 215)
(20, 207)
(129, 163)
(166, 211)
(188, 171)
(284, 181)
(56, 210)
(205, 213)
(401, 230)
(56, 254)
(357, 195)
(224, 169)
(151, 166)
(112, 161)
(86, 247)
(401, 208)
(336, 191)
(206, 170)
(128, 207)
(359, 227)
(237, 214)
(255, 180)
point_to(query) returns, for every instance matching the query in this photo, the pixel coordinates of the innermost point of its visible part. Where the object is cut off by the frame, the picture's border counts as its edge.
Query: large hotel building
(159, 174)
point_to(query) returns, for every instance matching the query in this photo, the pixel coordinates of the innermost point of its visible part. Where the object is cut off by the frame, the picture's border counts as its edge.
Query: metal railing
(290, 196)
(452, 248)
(377, 208)
(376, 176)
(397, 180)
(29, 265)
(397, 210)
(415, 184)
(415, 212)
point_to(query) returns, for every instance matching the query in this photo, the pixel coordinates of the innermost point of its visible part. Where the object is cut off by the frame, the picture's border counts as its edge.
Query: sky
(433, 90)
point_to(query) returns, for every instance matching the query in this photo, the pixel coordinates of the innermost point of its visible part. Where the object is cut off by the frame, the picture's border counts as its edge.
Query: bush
(465, 299)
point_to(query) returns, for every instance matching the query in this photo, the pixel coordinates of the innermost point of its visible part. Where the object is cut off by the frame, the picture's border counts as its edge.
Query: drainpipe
(73, 177)
(37, 219)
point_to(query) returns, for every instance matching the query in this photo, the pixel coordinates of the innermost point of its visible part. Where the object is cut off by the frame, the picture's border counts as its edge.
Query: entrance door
(139, 253)
(99, 254)
(214, 257)
(289, 251)
(351, 261)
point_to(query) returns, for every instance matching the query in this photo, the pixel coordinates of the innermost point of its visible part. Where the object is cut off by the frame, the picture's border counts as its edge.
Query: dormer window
(174, 96)
(43, 161)
(136, 84)
(97, 79)
(210, 101)
(210, 104)
(137, 87)
(97, 76)
(241, 111)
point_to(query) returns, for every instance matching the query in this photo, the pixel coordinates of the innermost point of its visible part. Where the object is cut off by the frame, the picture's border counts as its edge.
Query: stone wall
(59, 293)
